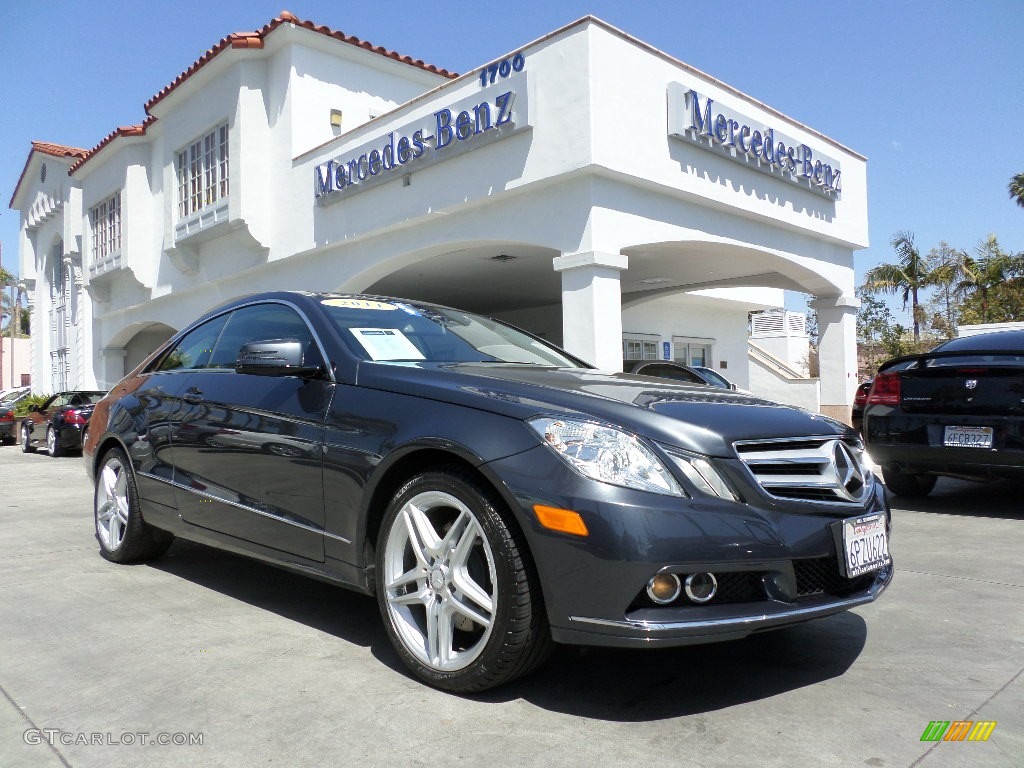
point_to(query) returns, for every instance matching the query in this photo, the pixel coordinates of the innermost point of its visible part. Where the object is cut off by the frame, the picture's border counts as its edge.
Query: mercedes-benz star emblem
(848, 472)
(971, 383)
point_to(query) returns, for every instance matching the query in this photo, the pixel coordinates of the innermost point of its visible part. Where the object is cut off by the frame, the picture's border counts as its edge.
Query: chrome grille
(821, 469)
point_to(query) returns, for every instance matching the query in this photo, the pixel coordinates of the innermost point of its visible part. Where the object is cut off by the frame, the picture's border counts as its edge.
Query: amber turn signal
(562, 520)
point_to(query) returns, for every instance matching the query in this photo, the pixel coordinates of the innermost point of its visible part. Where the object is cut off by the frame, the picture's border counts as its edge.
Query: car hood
(699, 418)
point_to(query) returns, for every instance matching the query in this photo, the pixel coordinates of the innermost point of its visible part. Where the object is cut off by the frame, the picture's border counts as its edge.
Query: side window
(193, 350)
(262, 322)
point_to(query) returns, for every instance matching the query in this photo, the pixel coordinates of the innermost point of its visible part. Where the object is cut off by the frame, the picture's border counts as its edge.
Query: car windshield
(392, 330)
(10, 397)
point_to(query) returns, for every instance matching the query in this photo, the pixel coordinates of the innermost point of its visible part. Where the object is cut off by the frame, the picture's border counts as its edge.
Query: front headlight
(606, 454)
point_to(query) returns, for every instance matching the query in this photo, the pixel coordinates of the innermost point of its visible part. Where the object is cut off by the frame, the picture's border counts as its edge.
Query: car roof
(1010, 340)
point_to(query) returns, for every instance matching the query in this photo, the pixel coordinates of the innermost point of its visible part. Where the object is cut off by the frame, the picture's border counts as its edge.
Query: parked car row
(57, 425)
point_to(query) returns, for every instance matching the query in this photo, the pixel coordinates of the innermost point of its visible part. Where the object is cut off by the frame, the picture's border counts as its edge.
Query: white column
(592, 306)
(837, 354)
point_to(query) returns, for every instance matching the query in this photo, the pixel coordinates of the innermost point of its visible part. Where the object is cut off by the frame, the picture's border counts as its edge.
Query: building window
(692, 351)
(638, 348)
(203, 172)
(105, 223)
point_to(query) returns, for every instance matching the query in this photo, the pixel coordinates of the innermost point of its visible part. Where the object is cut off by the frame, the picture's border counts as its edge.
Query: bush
(21, 409)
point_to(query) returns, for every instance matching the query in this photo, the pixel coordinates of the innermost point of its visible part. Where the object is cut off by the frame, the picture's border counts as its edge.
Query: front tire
(907, 484)
(460, 601)
(26, 441)
(123, 535)
(53, 446)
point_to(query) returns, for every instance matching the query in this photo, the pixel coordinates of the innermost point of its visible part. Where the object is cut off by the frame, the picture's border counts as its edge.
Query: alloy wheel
(439, 581)
(112, 504)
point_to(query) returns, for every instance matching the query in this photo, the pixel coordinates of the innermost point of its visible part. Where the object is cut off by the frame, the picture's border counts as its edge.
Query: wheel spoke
(419, 597)
(467, 538)
(423, 538)
(475, 593)
(462, 525)
(483, 619)
(110, 479)
(439, 633)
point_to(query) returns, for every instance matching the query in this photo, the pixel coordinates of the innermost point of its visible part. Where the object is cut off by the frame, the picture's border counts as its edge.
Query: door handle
(193, 396)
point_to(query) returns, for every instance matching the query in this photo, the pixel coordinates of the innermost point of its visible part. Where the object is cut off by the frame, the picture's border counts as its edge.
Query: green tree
(946, 267)
(6, 307)
(1016, 188)
(984, 278)
(909, 275)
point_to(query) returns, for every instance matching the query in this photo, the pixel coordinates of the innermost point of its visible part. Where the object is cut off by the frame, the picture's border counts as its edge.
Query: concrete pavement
(264, 668)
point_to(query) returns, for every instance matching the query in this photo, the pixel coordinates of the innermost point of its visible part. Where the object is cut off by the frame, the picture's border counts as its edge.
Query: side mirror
(33, 408)
(274, 357)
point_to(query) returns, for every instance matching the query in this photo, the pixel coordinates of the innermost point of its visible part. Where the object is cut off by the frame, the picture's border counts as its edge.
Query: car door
(248, 454)
(153, 410)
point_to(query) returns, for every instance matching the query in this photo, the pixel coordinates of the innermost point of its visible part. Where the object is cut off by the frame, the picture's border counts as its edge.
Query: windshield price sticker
(386, 344)
(357, 304)
(865, 545)
(968, 437)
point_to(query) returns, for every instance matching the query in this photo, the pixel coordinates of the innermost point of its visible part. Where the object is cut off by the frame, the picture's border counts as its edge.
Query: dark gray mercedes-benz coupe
(496, 494)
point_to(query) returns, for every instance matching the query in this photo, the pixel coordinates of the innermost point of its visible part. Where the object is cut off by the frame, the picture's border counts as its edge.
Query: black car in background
(957, 410)
(8, 403)
(665, 369)
(493, 492)
(57, 425)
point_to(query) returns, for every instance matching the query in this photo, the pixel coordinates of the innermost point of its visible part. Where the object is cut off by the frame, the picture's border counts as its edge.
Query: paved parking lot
(98, 661)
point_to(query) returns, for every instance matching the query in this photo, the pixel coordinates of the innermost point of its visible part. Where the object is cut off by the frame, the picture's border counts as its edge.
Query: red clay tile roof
(47, 148)
(255, 40)
(58, 150)
(246, 40)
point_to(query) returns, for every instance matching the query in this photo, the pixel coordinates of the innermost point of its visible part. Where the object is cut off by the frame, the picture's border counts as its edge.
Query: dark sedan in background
(957, 410)
(57, 425)
(493, 492)
(8, 402)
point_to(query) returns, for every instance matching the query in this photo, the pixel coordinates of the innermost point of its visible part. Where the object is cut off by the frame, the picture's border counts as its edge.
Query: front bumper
(776, 561)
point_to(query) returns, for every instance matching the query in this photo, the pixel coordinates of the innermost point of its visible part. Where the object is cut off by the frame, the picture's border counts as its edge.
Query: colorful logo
(958, 730)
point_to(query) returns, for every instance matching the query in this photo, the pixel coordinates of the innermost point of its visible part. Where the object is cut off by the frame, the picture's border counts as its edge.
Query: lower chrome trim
(254, 511)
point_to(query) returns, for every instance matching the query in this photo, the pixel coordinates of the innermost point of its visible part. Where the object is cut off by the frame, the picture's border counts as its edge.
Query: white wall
(20, 362)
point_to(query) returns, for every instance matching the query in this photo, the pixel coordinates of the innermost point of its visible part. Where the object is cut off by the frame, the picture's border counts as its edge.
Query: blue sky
(931, 92)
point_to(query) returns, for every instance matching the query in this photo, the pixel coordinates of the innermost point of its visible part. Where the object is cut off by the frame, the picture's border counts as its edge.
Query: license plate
(968, 437)
(865, 545)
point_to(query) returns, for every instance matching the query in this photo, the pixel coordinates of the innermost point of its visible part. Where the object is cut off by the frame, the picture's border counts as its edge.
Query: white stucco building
(585, 186)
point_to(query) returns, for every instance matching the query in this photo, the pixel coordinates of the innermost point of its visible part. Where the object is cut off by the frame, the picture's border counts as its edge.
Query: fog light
(701, 587)
(664, 588)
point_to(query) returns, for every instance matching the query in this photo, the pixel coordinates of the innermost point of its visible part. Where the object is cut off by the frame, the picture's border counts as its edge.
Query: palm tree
(909, 275)
(991, 267)
(1016, 188)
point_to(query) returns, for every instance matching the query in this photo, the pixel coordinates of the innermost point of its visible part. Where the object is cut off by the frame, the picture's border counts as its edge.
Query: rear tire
(53, 446)
(123, 535)
(908, 484)
(460, 600)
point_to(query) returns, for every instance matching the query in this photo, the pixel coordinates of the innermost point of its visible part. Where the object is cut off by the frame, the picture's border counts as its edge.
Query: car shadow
(598, 683)
(642, 685)
(345, 614)
(999, 499)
